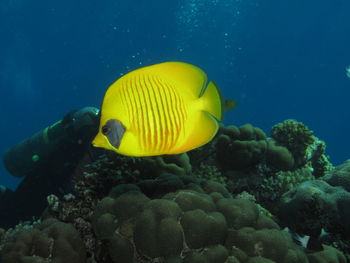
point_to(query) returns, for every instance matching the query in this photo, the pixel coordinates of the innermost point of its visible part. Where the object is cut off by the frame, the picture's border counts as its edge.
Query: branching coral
(305, 147)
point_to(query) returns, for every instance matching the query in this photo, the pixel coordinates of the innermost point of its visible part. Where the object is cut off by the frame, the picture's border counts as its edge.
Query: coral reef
(202, 223)
(244, 147)
(340, 176)
(204, 226)
(240, 148)
(329, 254)
(268, 167)
(296, 137)
(272, 244)
(111, 169)
(209, 172)
(306, 149)
(315, 205)
(250, 161)
(273, 187)
(50, 241)
(223, 202)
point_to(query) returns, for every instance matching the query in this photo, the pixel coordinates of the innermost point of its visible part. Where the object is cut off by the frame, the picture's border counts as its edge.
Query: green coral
(329, 254)
(275, 186)
(246, 147)
(268, 244)
(278, 157)
(172, 209)
(205, 225)
(97, 178)
(49, 241)
(340, 176)
(286, 180)
(209, 172)
(294, 135)
(178, 164)
(316, 205)
(306, 149)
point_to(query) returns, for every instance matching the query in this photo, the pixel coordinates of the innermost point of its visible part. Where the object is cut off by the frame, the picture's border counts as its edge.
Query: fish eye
(106, 130)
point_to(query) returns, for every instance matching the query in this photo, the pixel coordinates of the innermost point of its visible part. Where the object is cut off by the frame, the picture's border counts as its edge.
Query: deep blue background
(279, 59)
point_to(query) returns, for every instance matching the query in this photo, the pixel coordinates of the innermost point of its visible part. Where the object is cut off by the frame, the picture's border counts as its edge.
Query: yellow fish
(167, 108)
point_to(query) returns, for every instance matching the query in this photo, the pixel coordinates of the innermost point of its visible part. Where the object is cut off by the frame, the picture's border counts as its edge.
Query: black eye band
(114, 131)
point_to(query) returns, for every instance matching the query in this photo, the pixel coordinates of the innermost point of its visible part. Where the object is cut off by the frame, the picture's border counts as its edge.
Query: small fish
(167, 108)
(229, 104)
(309, 243)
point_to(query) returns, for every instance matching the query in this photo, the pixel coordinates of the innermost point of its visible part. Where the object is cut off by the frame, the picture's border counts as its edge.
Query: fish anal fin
(204, 127)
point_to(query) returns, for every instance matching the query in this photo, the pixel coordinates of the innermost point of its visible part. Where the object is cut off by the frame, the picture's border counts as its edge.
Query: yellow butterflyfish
(167, 108)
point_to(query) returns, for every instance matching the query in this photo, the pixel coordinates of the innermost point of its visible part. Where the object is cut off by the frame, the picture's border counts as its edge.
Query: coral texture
(205, 225)
(315, 205)
(180, 208)
(50, 241)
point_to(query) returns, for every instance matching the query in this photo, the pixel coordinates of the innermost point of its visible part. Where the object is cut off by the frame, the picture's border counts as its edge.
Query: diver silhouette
(47, 161)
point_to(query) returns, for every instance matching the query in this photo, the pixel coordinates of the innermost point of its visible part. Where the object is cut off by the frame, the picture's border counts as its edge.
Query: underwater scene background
(279, 60)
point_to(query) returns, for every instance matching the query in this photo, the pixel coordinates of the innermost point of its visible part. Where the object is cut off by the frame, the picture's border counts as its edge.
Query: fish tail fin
(212, 100)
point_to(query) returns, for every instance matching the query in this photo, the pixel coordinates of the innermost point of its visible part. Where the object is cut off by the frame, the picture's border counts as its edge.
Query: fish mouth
(98, 141)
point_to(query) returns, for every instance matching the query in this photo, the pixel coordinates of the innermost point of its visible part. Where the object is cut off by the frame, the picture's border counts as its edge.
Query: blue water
(279, 59)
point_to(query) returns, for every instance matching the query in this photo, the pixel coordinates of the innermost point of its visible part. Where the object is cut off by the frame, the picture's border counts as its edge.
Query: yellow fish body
(167, 108)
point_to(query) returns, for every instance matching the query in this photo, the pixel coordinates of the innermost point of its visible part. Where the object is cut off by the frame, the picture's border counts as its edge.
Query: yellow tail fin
(212, 100)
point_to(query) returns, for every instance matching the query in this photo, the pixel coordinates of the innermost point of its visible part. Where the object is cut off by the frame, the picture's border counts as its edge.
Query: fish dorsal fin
(186, 78)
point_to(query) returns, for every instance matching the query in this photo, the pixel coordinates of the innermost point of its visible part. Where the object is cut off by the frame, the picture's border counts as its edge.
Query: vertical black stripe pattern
(155, 99)
(146, 117)
(150, 111)
(165, 122)
(156, 112)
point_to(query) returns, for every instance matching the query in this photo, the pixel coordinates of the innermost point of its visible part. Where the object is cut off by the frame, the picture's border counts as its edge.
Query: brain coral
(200, 224)
(328, 254)
(340, 176)
(246, 146)
(314, 205)
(190, 226)
(50, 241)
